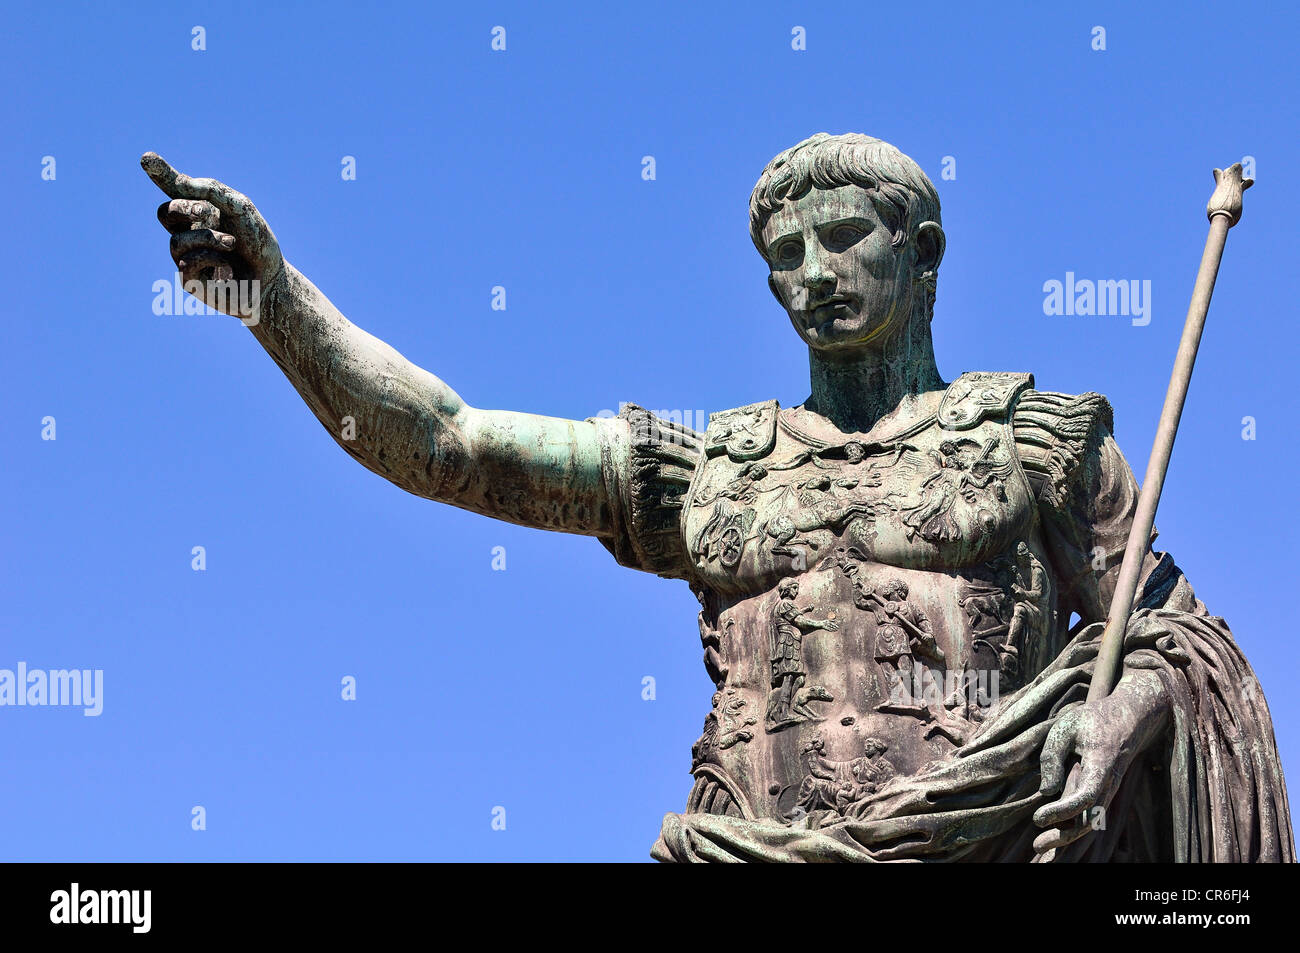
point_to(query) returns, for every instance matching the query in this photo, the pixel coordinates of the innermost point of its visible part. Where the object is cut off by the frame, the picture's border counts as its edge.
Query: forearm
(395, 418)
(408, 426)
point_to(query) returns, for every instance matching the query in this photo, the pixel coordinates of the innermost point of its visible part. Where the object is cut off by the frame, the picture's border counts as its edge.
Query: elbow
(428, 460)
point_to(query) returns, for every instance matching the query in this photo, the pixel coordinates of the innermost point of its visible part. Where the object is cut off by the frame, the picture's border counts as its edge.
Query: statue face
(834, 269)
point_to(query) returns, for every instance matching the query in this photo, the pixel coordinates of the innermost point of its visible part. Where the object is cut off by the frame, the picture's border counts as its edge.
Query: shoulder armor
(746, 433)
(1055, 433)
(646, 491)
(977, 395)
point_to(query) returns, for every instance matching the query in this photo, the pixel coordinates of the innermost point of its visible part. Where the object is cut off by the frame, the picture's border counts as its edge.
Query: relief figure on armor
(1028, 592)
(789, 700)
(729, 723)
(901, 630)
(960, 472)
(1007, 614)
(975, 510)
(839, 786)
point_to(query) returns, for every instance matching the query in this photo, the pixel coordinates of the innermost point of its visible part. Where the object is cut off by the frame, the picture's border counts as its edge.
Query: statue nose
(818, 277)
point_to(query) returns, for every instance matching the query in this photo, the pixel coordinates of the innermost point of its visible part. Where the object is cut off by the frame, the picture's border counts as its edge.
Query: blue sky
(523, 689)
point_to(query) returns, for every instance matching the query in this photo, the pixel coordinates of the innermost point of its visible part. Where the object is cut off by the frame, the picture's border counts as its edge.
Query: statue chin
(842, 336)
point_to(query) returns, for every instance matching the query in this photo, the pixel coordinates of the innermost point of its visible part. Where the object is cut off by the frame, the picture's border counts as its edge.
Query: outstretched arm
(397, 419)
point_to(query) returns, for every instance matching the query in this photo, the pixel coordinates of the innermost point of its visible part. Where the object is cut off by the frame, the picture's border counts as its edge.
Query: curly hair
(895, 587)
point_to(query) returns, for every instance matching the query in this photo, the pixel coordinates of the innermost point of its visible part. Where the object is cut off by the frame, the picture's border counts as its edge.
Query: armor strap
(979, 395)
(746, 433)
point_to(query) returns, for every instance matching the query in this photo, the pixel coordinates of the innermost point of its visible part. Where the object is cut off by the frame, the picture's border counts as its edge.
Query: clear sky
(522, 688)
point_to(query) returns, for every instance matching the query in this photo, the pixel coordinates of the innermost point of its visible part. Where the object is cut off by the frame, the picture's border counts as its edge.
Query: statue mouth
(834, 301)
(824, 315)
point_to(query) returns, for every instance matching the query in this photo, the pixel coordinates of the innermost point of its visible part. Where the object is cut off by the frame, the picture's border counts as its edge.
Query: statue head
(895, 589)
(874, 746)
(788, 589)
(851, 232)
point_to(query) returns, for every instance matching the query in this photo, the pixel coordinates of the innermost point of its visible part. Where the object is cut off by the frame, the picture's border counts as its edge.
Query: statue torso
(865, 597)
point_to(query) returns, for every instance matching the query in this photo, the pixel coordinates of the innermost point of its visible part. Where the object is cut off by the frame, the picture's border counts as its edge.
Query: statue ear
(930, 243)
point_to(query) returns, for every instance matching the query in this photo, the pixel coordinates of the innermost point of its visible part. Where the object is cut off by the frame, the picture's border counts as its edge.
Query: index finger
(178, 186)
(173, 184)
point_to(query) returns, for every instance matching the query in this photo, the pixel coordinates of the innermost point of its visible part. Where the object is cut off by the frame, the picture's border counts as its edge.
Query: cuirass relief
(865, 603)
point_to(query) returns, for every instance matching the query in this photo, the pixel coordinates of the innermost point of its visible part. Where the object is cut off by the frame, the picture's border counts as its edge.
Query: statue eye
(789, 251)
(843, 236)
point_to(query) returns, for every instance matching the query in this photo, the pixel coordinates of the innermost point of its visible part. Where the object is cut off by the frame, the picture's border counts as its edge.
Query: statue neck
(854, 391)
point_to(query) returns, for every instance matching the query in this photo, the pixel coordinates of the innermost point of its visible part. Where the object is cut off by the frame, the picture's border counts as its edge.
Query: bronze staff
(1224, 211)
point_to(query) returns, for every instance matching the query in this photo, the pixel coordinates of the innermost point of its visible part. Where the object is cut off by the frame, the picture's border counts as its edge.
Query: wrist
(1143, 694)
(282, 297)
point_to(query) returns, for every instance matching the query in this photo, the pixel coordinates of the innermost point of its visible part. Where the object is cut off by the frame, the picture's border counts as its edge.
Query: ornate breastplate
(769, 501)
(864, 599)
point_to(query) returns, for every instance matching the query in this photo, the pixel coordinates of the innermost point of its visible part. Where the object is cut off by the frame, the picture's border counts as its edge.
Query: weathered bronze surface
(886, 572)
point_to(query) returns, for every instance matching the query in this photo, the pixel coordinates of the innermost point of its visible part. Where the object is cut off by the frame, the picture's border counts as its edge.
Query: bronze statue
(938, 536)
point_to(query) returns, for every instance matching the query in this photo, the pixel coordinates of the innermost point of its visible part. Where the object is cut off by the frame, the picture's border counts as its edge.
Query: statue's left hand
(1105, 737)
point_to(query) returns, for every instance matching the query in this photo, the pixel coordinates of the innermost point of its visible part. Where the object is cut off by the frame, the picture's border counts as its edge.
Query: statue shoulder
(1054, 433)
(1057, 433)
(647, 483)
